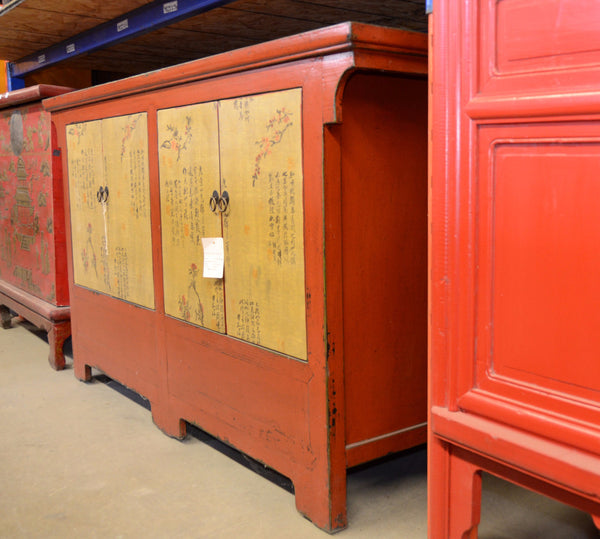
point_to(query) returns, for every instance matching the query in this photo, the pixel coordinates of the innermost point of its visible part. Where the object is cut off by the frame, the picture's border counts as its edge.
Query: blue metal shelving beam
(134, 23)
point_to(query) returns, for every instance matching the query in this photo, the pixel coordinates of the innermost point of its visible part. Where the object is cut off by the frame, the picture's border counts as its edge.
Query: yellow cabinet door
(89, 225)
(110, 207)
(189, 174)
(125, 150)
(261, 171)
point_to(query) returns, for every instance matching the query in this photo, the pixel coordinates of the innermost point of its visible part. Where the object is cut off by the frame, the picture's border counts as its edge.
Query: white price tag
(214, 258)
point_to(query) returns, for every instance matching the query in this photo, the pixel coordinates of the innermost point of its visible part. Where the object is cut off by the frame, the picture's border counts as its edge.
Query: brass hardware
(224, 202)
(214, 201)
(102, 194)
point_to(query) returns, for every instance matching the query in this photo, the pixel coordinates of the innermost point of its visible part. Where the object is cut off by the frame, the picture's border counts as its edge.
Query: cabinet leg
(5, 316)
(324, 507)
(171, 424)
(82, 371)
(454, 493)
(465, 498)
(57, 335)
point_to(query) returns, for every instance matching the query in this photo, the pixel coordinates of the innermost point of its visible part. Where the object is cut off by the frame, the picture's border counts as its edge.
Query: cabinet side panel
(384, 260)
(261, 169)
(188, 148)
(127, 209)
(88, 231)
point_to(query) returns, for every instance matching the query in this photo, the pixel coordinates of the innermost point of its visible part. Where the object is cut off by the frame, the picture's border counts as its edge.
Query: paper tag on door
(214, 258)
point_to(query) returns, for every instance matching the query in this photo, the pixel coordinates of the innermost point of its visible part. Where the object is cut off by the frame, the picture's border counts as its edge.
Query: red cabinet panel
(514, 376)
(545, 34)
(33, 266)
(539, 261)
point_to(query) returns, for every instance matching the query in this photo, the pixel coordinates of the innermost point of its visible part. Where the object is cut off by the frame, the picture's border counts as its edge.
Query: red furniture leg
(455, 496)
(82, 372)
(168, 422)
(54, 320)
(465, 497)
(57, 334)
(6, 316)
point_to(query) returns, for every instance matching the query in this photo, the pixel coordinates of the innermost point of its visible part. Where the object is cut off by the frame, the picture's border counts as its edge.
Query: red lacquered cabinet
(515, 198)
(300, 167)
(33, 264)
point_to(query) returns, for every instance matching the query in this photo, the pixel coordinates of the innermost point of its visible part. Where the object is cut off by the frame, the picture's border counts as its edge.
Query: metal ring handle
(214, 201)
(224, 202)
(102, 194)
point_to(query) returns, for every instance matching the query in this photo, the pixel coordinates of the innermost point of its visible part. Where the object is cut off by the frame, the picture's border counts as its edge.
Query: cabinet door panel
(538, 314)
(88, 220)
(125, 152)
(188, 139)
(261, 169)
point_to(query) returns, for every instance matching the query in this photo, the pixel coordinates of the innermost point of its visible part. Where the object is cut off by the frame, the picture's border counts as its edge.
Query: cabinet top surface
(29, 94)
(351, 38)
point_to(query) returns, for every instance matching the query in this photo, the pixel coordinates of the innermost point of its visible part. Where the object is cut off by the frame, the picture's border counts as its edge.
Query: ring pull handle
(214, 201)
(224, 202)
(102, 194)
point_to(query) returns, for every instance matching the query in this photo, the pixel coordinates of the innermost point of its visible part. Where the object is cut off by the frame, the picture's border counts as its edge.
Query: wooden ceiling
(28, 26)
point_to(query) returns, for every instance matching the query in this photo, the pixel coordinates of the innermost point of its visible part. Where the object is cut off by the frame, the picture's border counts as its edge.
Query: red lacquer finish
(362, 392)
(33, 266)
(514, 377)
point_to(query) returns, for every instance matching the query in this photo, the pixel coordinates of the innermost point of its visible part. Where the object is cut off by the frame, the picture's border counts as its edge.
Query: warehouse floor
(84, 460)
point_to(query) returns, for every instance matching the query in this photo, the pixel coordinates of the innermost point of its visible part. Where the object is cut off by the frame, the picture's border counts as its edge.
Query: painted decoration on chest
(26, 246)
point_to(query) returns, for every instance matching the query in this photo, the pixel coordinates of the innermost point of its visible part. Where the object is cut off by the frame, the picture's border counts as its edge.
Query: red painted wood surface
(514, 383)
(384, 229)
(33, 265)
(361, 394)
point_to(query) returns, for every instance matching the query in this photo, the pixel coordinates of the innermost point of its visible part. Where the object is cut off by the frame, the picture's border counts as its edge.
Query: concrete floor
(83, 460)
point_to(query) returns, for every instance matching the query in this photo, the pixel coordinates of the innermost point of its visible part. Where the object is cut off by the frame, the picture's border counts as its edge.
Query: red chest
(33, 263)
